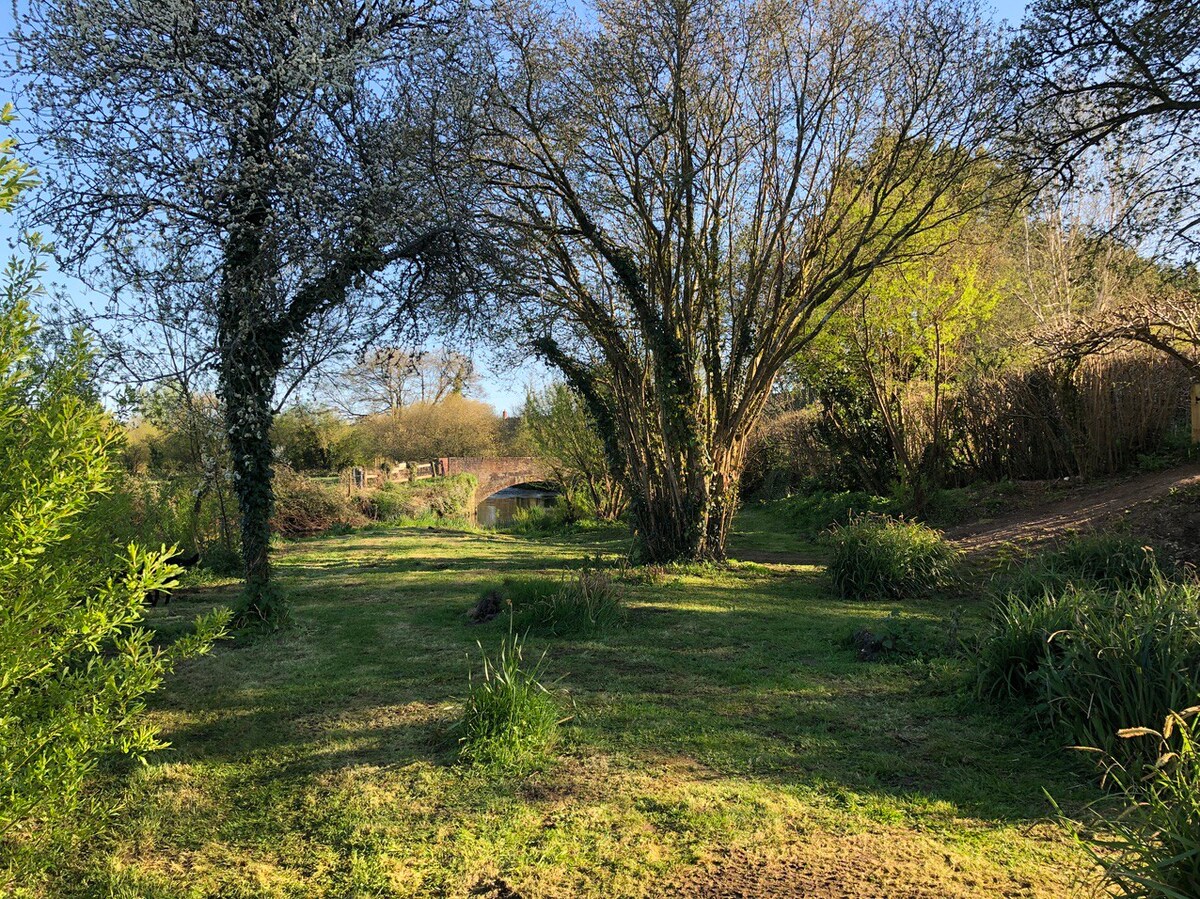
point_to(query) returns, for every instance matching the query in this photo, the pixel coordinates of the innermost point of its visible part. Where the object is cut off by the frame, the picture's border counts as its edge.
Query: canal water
(500, 507)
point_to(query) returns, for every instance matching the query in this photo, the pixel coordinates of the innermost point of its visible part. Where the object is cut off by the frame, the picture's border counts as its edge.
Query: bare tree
(241, 177)
(388, 378)
(685, 191)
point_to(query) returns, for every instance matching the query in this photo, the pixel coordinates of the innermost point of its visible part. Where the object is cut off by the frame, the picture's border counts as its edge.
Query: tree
(75, 666)
(259, 180)
(904, 342)
(388, 378)
(557, 424)
(685, 192)
(1118, 80)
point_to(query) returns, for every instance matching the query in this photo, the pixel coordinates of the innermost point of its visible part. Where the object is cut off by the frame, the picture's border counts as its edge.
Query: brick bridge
(494, 473)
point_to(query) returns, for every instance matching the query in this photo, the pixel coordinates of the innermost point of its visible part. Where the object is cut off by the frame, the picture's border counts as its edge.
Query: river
(500, 507)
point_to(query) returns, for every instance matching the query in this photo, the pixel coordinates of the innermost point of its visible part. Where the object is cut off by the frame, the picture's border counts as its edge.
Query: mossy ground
(728, 715)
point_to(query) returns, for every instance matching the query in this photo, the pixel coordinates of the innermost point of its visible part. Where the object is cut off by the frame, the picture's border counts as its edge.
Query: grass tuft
(878, 556)
(591, 603)
(511, 719)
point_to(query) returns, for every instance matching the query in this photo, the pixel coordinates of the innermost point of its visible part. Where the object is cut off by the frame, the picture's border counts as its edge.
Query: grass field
(725, 741)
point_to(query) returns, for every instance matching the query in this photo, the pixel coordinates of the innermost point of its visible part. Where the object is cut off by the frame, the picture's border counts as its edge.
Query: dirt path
(1086, 509)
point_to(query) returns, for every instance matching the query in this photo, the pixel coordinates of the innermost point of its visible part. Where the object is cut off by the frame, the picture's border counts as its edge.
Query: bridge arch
(495, 473)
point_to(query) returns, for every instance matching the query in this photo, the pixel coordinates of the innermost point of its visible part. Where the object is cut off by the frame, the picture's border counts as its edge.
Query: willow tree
(240, 177)
(683, 192)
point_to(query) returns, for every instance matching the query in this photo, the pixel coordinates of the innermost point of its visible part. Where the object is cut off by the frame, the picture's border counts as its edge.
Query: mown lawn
(726, 739)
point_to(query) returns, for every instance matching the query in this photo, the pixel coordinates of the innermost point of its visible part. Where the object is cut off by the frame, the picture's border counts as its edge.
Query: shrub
(1094, 659)
(874, 555)
(434, 497)
(1151, 847)
(591, 602)
(304, 508)
(511, 719)
(813, 514)
(75, 665)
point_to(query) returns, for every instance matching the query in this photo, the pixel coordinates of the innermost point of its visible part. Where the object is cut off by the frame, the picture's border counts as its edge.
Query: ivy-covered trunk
(247, 386)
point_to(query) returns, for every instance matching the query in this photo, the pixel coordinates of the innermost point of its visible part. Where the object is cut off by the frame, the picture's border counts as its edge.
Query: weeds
(1094, 659)
(590, 603)
(1151, 846)
(511, 719)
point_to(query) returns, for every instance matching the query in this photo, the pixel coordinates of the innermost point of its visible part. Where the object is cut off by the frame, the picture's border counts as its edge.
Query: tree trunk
(247, 386)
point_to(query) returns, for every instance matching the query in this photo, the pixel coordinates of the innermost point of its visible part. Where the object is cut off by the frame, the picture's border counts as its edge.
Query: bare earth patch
(1089, 508)
(860, 866)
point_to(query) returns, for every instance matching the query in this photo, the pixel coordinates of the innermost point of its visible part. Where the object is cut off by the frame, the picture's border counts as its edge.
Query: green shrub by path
(1095, 660)
(448, 497)
(878, 556)
(510, 720)
(1149, 842)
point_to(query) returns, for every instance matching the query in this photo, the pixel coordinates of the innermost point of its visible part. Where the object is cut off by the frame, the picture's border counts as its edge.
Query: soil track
(1086, 509)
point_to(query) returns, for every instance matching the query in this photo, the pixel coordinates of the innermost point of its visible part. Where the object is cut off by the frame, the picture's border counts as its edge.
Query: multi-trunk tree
(683, 191)
(239, 177)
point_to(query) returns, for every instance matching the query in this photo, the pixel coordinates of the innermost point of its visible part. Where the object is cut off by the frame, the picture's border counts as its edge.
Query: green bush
(1094, 659)
(878, 556)
(510, 720)
(1150, 848)
(589, 603)
(449, 497)
(813, 514)
(75, 665)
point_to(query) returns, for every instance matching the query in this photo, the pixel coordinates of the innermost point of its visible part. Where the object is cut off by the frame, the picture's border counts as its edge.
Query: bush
(591, 602)
(813, 514)
(449, 497)
(1096, 659)
(510, 720)
(304, 508)
(1151, 849)
(76, 667)
(874, 555)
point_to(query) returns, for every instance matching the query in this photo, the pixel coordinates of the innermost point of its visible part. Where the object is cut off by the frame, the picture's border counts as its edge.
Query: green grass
(728, 712)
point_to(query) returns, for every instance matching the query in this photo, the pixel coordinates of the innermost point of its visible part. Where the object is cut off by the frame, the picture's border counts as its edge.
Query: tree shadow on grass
(749, 676)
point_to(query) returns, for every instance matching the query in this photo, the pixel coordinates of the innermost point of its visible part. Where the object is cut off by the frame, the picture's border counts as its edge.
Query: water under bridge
(493, 473)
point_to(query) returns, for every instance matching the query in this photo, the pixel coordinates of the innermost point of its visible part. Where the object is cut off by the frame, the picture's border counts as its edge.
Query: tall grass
(1150, 848)
(879, 556)
(1106, 561)
(1094, 659)
(510, 719)
(590, 603)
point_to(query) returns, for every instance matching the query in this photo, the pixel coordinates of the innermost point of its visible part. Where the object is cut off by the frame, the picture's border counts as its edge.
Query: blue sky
(503, 386)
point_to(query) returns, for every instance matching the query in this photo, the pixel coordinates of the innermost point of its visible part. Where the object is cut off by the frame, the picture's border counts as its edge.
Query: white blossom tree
(251, 181)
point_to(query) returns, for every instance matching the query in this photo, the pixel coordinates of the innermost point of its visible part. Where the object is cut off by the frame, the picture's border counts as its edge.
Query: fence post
(1195, 413)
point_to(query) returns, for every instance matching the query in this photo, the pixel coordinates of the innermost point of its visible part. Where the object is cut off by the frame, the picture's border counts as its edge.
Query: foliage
(557, 424)
(1150, 849)
(878, 556)
(454, 426)
(313, 439)
(446, 497)
(1104, 560)
(510, 720)
(75, 665)
(813, 514)
(1095, 658)
(591, 602)
(304, 507)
